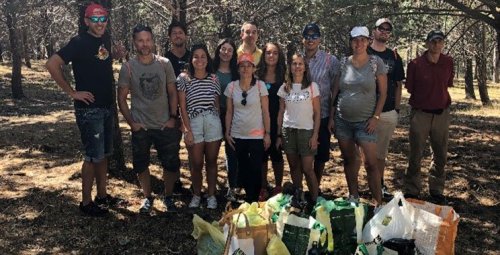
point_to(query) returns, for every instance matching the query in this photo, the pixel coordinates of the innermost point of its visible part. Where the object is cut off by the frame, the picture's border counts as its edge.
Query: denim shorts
(96, 131)
(356, 131)
(167, 144)
(206, 127)
(296, 141)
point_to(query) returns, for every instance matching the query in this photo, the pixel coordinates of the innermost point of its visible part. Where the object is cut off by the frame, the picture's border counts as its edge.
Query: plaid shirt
(323, 68)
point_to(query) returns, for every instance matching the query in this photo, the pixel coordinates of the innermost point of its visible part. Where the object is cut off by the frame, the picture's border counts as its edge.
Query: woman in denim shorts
(298, 123)
(356, 111)
(199, 92)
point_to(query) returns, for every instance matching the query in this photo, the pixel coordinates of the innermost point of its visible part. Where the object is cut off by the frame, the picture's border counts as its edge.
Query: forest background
(40, 160)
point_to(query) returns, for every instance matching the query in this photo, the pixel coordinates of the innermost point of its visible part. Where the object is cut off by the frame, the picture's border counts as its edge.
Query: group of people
(260, 104)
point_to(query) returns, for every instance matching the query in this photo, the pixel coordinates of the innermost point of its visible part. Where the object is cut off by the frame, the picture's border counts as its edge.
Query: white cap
(360, 31)
(382, 21)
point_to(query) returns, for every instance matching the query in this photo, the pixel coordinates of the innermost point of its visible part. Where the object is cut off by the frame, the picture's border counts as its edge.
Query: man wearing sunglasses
(323, 68)
(429, 77)
(395, 75)
(93, 100)
(150, 80)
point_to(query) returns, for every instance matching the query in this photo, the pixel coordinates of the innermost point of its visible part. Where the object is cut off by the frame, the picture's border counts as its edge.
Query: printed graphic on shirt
(299, 96)
(102, 53)
(150, 85)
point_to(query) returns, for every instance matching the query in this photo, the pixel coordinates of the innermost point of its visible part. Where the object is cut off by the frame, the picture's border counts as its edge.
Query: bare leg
(295, 169)
(169, 179)
(318, 170)
(88, 175)
(196, 155)
(351, 167)
(212, 151)
(312, 181)
(369, 152)
(101, 176)
(145, 181)
(381, 168)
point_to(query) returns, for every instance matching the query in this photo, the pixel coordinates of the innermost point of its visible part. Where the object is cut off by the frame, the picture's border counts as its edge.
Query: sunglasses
(383, 29)
(97, 19)
(244, 100)
(311, 37)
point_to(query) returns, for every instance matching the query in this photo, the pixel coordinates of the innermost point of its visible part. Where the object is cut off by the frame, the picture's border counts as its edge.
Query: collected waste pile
(282, 225)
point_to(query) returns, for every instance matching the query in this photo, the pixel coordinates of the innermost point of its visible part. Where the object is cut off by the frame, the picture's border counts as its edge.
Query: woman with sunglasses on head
(361, 88)
(248, 125)
(199, 92)
(226, 69)
(271, 69)
(298, 123)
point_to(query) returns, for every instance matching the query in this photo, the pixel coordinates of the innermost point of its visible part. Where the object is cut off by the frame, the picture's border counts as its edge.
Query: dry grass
(40, 179)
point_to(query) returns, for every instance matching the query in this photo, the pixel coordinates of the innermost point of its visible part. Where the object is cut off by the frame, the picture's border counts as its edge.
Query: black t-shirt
(395, 73)
(178, 63)
(92, 68)
(274, 104)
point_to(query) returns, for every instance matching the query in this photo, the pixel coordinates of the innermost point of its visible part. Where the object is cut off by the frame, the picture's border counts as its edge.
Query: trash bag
(210, 239)
(276, 247)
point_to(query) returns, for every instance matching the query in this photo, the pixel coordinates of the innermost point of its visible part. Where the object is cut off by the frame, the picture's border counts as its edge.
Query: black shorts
(167, 145)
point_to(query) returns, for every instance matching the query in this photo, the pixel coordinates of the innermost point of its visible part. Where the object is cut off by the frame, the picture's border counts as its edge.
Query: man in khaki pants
(429, 77)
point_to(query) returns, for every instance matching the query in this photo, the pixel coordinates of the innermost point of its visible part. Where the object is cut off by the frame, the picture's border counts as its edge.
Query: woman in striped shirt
(199, 92)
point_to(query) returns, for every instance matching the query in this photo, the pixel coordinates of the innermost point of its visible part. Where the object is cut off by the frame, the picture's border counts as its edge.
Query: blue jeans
(96, 131)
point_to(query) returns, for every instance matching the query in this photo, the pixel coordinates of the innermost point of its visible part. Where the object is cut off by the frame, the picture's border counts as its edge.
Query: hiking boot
(231, 195)
(386, 195)
(91, 209)
(195, 202)
(169, 204)
(212, 202)
(109, 200)
(439, 199)
(146, 206)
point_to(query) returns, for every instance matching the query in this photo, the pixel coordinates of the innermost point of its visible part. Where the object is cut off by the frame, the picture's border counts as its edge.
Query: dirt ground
(40, 185)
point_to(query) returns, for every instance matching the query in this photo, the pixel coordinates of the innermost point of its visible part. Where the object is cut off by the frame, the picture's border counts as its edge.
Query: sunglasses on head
(96, 19)
(244, 100)
(383, 29)
(311, 37)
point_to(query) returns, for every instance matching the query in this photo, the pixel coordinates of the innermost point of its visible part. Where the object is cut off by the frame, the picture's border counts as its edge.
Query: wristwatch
(376, 117)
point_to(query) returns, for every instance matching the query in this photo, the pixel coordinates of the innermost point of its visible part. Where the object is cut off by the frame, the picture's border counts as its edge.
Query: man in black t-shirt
(389, 116)
(93, 100)
(178, 53)
(179, 57)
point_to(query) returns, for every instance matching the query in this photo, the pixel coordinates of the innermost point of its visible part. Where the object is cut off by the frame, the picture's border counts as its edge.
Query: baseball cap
(311, 27)
(360, 31)
(93, 7)
(382, 21)
(246, 57)
(434, 34)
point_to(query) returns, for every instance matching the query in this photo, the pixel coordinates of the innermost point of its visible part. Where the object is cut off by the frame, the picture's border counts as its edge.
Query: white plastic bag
(392, 221)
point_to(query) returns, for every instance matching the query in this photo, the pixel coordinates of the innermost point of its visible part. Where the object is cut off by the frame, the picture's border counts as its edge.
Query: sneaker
(211, 202)
(170, 204)
(91, 209)
(146, 206)
(231, 195)
(110, 201)
(263, 195)
(386, 195)
(195, 202)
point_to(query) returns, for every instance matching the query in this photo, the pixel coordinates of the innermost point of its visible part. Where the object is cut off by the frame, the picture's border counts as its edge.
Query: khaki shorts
(296, 141)
(385, 129)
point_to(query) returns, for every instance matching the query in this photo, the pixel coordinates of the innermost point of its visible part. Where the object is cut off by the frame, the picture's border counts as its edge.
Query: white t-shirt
(247, 119)
(298, 106)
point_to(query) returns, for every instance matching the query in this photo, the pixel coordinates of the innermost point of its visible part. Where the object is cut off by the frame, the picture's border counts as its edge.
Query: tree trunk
(496, 61)
(116, 165)
(1, 53)
(26, 49)
(11, 20)
(481, 66)
(469, 80)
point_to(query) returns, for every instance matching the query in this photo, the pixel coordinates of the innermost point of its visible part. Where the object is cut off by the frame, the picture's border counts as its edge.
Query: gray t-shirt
(148, 89)
(247, 119)
(358, 90)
